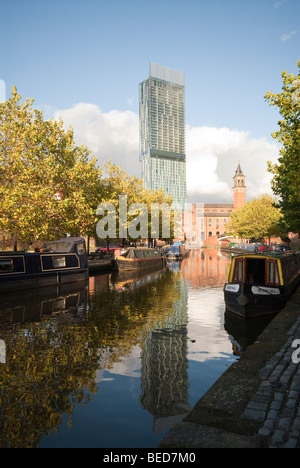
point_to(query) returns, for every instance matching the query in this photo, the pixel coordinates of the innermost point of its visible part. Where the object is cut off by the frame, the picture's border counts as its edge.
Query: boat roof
(140, 248)
(269, 254)
(65, 244)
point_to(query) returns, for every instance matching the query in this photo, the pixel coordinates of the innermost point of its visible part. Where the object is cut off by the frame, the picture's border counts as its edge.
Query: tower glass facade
(162, 132)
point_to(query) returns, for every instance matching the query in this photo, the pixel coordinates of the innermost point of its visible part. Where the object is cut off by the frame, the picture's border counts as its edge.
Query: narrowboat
(138, 259)
(177, 252)
(241, 248)
(261, 284)
(98, 263)
(58, 262)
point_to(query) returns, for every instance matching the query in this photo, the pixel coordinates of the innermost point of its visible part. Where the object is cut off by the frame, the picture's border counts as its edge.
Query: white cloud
(212, 158)
(212, 153)
(113, 135)
(279, 3)
(286, 37)
(130, 101)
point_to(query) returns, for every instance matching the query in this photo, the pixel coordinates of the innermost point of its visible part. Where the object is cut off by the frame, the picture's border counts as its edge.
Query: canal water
(114, 363)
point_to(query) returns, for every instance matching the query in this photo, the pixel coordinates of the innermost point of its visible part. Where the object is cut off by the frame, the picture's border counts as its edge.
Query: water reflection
(244, 332)
(164, 366)
(119, 348)
(69, 301)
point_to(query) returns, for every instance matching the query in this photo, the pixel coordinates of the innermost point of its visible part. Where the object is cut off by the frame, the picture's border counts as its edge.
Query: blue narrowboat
(59, 262)
(177, 252)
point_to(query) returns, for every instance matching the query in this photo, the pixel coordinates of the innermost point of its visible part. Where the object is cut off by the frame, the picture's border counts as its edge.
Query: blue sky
(83, 61)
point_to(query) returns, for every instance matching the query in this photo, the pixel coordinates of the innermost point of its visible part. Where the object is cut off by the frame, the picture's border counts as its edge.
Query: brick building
(205, 221)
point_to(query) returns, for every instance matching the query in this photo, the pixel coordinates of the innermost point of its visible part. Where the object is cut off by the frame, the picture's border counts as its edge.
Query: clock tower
(239, 188)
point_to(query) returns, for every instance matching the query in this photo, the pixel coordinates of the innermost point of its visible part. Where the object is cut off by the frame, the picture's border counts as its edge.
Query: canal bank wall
(255, 403)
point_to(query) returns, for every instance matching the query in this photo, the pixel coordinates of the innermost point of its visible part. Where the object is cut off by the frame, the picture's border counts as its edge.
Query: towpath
(256, 402)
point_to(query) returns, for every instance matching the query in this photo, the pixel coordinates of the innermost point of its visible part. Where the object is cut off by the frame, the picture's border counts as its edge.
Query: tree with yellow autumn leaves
(49, 186)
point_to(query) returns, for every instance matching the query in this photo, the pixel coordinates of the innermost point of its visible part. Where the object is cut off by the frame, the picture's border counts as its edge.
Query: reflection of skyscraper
(162, 132)
(164, 367)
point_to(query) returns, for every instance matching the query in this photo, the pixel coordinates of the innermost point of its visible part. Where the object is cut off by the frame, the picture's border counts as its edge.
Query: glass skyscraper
(162, 132)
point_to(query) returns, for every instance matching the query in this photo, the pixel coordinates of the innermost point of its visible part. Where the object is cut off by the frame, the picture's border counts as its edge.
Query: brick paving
(276, 404)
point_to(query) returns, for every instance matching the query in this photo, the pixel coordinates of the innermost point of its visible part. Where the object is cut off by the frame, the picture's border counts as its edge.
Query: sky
(82, 61)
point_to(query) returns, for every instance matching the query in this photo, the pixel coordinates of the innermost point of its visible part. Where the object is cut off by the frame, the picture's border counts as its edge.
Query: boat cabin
(261, 283)
(61, 261)
(177, 252)
(266, 270)
(140, 252)
(134, 258)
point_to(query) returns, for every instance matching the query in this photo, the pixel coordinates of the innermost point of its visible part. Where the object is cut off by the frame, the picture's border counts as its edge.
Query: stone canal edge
(255, 403)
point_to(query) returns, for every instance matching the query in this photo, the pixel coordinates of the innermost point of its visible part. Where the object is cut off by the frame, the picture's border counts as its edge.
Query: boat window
(272, 276)
(58, 246)
(59, 262)
(255, 270)
(6, 265)
(238, 273)
(80, 248)
(142, 253)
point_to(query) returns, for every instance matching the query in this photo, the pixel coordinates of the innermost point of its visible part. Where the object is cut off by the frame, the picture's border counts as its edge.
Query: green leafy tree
(258, 218)
(286, 180)
(48, 186)
(118, 184)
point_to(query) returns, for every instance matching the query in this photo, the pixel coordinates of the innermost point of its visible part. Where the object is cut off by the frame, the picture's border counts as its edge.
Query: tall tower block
(239, 188)
(162, 132)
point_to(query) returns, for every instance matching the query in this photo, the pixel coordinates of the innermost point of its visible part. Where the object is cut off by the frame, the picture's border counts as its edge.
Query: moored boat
(58, 262)
(137, 259)
(99, 264)
(260, 284)
(241, 247)
(177, 252)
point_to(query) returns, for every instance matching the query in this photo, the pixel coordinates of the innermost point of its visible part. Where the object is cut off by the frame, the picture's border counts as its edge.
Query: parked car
(111, 249)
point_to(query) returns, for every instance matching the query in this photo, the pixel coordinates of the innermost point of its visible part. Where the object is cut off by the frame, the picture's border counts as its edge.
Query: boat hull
(100, 265)
(177, 253)
(134, 264)
(178, 257)
(39, 281)
(60, 262)
(250, 305)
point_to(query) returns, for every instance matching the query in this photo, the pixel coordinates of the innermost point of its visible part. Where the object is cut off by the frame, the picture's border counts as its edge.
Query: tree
(48, 186)
(286, 180)
(131, 207)
(256, 219)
